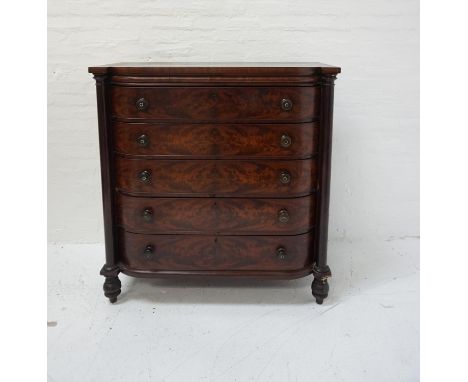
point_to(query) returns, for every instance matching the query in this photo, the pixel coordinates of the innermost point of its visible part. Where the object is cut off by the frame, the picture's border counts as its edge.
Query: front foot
(112, 283)
(320, 284)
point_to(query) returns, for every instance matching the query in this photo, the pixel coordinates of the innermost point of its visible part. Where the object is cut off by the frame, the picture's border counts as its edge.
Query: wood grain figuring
(217, 169)
(194, 252)
(220, 104)
(232, 141)
(260, 178)
(223, 216)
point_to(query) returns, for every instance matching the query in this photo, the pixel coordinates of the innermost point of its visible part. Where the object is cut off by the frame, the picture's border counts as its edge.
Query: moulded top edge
(217, 68)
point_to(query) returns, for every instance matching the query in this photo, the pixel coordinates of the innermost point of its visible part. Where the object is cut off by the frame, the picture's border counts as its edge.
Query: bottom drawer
(221, 253)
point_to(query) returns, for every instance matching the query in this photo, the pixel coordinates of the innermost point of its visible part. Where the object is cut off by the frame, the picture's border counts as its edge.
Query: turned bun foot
(111, 288)
(320, 286)
(112, 283)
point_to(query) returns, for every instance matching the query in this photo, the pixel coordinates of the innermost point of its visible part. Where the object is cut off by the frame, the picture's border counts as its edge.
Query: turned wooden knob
(285, 177)
(142, 104)
(286, 140)
(147, 214)
(283, 216)
(281, 253)
(143, 140)
(286, 104)
(145, 176)
(149, 251)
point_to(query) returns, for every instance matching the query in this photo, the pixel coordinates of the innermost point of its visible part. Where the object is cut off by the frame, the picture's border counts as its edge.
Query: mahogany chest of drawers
(215, 170)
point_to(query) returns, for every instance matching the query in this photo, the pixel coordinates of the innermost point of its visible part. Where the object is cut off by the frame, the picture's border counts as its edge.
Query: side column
(110, 270)
(321, 270)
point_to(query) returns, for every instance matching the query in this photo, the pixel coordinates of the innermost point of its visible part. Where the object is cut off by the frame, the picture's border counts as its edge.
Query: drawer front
(211, 140)
(226, 216)
(227, 104)
(206, 252)
(236, 178)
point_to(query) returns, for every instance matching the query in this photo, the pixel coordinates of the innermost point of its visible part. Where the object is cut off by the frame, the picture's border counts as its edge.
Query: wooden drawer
(212, 140)
(235, 178)
(220, 104)
(216, 215)
(206, 252)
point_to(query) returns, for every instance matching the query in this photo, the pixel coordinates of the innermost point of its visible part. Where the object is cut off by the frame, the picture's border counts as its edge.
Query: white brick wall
(375, 181)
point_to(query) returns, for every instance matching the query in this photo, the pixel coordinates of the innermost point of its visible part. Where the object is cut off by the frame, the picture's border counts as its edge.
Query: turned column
(321, 270)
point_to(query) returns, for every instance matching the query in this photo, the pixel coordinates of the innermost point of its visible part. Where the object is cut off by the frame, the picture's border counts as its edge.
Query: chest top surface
(215, 68)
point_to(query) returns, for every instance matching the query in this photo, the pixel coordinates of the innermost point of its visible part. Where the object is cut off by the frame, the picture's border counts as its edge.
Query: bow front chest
(215, 170)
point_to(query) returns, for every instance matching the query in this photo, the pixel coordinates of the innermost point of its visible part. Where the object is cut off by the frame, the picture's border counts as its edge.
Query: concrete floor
(228, 330)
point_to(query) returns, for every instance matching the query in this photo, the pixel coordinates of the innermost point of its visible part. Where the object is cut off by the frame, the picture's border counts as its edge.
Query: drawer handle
(286, 104)
(142, 104)
(285, 177)
(286, 140)
(147, 214)
(149, 251)
(281, 253)
(283, 216)
(143, 140)
(145, 176)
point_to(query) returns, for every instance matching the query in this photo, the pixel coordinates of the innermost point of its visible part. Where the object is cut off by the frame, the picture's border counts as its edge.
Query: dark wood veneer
(234, 141)
(278, 70)
(220, 104)
(222, 216)
(254, 178)
(199, 163)
(208, 252)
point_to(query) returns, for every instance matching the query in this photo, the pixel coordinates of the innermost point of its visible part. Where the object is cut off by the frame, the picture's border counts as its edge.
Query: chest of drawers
(215, 170)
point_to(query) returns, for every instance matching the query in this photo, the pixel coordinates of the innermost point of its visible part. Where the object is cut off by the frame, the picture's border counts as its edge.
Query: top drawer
(223, 104)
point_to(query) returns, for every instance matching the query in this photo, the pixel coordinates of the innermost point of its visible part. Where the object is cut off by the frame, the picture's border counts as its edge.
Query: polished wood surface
(208, 252)
(216, 169)
(234, 178)
(221, 104)
(217, 216)
(225, 69)
(233, 141)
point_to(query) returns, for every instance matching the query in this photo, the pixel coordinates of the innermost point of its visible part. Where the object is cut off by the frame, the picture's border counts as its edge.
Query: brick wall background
(375, 178)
